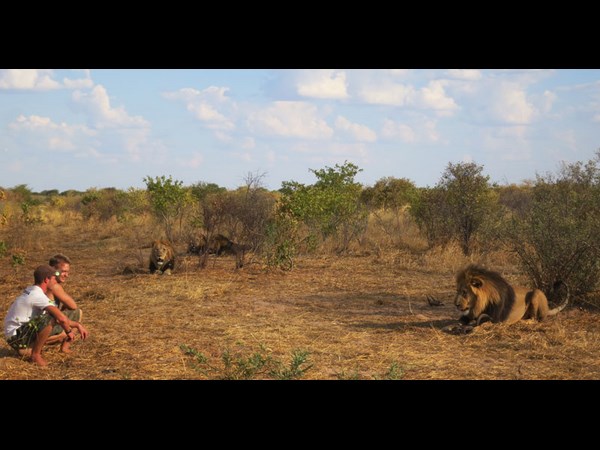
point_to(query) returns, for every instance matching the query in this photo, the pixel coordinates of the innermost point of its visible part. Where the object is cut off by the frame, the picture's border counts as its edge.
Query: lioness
(219, 245)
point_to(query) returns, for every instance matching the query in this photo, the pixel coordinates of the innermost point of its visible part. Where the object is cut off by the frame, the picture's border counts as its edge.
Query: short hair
(43, 272)
(57, 259)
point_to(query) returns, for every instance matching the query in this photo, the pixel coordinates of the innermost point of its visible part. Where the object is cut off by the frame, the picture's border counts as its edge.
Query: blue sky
(77, 129)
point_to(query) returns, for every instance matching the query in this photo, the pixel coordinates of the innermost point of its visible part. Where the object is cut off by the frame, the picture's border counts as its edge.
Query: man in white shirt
(30, 320)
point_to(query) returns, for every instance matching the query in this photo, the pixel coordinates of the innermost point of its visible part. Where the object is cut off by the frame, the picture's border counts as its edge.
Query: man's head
(62, 264)
(45, 274)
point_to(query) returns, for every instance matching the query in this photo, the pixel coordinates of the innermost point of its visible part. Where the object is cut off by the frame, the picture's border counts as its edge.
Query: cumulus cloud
(322, 84)
(399, 72)
(97, 104)
(509, 142)
(548, 100)
(51, 135)
(433, 96)
(422, 130)
(194, 160)
(465, 74)
(333, 152)
(289, 119)
(510, 105)
(209, 105)
(79, 83)
(42, 80)
(27, 79)
(386, 92)
(356, 130)
(393, 130)
(393, 94)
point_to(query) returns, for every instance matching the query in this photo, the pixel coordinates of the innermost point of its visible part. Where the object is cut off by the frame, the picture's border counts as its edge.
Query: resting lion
(484, 295)
(162, 257)
(219, 245)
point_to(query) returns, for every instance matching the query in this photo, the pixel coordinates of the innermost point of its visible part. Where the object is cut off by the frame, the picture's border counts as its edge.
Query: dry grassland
(358, 317)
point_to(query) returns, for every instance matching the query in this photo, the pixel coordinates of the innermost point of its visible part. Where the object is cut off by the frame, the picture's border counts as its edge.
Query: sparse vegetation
(259, 364)
(353, 307)
(556, 238)
(461, 204)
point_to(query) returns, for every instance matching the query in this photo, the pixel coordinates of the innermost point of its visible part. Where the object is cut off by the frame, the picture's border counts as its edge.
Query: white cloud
(383, 91)
(568, 137)
(465, 74)
(54, 136)
(509, 142)
(423, 130)
(27, 79)
(399, 72)
(322, 83)
(289, 119)
(333, 151)
(434, 97)
(209, 105)
(248, 143)
(596, 118)
(393, 130)
(510, 105)
(358, 131)
(548, 100)
(194, 161)
(15, 166)
(387, 94)
(79, 83)
(97, 105)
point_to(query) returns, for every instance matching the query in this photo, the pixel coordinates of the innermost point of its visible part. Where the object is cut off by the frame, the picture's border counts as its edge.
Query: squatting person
(33, 320)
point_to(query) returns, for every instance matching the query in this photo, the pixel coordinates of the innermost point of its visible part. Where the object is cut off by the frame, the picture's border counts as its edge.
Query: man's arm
(63, 297)
(66, 323)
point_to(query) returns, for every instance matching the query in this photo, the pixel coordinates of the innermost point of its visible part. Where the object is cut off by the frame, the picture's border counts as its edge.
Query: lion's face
(161, 253)
(465, 297)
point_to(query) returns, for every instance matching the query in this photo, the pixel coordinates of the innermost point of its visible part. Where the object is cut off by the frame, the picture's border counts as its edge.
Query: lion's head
(162, 256)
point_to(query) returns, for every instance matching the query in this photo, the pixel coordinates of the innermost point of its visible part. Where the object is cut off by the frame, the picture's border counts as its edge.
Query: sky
(97, 128)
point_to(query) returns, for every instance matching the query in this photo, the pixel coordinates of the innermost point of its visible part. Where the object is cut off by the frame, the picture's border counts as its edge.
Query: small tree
(168, 198)
(430, 212)
(458, 207)
(389, 193)
(331, 206)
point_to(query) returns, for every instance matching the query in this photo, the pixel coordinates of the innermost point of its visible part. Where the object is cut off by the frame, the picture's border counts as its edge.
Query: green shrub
(168, 199)
(461, 205)
(329, 208)
(558, 238)
(258, 364)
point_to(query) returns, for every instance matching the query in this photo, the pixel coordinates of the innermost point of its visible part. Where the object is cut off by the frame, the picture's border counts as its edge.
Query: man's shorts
(27, 333)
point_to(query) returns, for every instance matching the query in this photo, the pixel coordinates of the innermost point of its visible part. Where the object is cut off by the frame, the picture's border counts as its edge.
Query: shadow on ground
(435, 324)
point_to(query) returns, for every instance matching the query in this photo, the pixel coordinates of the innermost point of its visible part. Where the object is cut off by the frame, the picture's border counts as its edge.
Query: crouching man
(33, 320)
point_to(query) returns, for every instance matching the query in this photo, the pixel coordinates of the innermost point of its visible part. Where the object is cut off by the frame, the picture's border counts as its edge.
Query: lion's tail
(562, 306)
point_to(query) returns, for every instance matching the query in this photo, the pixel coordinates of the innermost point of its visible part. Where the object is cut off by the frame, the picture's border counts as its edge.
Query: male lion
(162, 257)
(483, 294)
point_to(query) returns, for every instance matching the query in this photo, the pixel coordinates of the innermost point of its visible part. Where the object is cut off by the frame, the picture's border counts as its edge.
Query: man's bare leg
(38, 345)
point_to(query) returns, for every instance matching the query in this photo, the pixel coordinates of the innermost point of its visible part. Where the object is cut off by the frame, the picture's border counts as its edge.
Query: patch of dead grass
(357, 316)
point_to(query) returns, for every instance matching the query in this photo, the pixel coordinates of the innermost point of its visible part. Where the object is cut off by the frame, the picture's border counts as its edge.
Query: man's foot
(38, 360)
(65, 347)
(24, 352)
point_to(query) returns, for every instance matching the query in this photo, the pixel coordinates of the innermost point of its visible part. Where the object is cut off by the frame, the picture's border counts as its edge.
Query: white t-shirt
(31, 303)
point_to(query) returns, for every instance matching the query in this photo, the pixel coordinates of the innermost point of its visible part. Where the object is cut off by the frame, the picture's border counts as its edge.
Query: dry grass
(356, 316)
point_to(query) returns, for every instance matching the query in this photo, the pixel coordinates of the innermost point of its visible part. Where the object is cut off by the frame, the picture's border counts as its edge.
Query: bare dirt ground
(357, 317)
